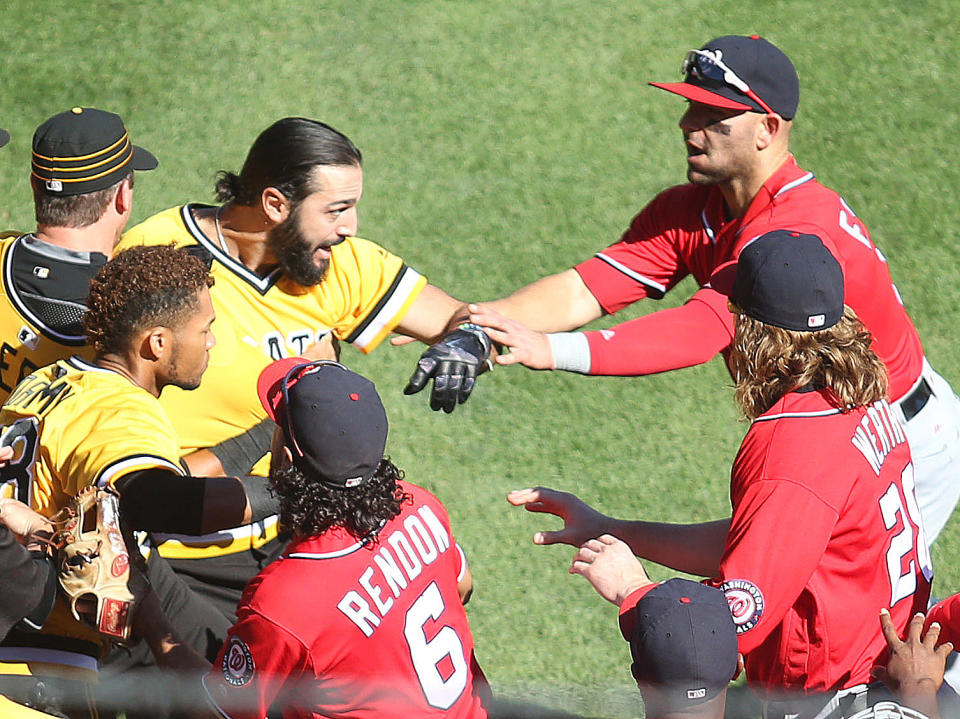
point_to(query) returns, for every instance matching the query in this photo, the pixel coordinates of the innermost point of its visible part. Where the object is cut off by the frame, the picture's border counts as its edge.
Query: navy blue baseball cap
(790, 280)
(4, 137)
(739, 73)
(684, 642)
(84, 150)
(332, 419)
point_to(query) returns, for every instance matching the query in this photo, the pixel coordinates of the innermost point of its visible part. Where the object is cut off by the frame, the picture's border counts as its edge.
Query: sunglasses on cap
(709, 65)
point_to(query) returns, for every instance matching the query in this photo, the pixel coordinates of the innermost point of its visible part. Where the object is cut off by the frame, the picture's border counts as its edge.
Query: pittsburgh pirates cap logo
(746, 603)
(237, 663)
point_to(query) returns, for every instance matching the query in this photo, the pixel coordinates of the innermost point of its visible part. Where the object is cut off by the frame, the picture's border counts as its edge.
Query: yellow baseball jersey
(26, 342)
(73, 424)
(365, 294)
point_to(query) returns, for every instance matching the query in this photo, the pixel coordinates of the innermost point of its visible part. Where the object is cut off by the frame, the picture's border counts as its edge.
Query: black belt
(916, 400)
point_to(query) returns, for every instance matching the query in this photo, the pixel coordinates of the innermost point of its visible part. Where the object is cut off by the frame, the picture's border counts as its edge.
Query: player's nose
(349, 223)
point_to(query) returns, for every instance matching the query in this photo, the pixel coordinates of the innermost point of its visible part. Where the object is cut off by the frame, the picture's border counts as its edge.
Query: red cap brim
(270, 381)
(701, 95)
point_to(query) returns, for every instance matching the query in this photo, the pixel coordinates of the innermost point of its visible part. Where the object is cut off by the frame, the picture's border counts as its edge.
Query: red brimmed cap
(765, 69)
(332, 419)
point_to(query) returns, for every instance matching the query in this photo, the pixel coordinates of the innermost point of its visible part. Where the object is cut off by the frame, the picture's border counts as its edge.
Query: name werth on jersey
(401, 558)
(877, 434)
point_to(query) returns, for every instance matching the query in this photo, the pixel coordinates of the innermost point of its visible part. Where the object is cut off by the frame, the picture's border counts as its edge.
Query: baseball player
(742, 97)
(363, 615)
(76, 422)
(289, 271)
(28, 590)
(825, 526)
(683, 643)
(82, 180)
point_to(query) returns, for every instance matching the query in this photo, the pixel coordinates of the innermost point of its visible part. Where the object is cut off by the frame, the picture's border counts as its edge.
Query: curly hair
(140, 288)
(768, 361)
(308, 507)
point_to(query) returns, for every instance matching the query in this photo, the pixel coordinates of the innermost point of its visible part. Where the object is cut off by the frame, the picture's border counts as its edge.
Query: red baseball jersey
(341, 628)
(825, 531)
(947, 613)
(684, 231)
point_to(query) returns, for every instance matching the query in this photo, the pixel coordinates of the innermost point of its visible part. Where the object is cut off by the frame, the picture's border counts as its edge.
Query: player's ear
(157, 343)
(275, 205)
(123, 200)
(769, 129)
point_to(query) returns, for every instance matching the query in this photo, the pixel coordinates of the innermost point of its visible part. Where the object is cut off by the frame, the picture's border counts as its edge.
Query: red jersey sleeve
(255, 662)
(768, 558)
(663, 341)
(647, 261)
(947, 613)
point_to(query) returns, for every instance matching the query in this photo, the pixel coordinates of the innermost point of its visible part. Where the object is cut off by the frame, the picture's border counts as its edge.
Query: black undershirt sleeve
(160, 500)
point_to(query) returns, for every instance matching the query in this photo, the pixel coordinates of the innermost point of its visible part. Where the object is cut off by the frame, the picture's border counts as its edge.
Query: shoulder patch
(746, 603)
(237, 663)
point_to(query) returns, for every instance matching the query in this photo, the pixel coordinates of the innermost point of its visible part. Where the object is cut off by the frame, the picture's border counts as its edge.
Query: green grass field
(504, 140)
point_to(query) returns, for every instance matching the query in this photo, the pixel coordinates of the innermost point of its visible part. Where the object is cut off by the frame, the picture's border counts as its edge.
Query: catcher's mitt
(93, 561)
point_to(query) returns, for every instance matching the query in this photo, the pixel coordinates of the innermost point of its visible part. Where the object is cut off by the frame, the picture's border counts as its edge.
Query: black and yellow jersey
(73, 424)
(42, 295)
(365, 294)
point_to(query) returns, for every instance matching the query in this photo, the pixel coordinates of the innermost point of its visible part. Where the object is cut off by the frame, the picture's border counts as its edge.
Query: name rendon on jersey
(877, 434)
(415, 545)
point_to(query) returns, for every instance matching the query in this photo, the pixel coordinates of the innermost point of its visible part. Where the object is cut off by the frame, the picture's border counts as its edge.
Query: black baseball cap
(332, 419)
(4, 137)
(790, 280)
(755, 63)
(684, 642)
(85, 150)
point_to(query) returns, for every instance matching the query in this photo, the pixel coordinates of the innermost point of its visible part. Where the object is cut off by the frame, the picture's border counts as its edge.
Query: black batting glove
(454, 363)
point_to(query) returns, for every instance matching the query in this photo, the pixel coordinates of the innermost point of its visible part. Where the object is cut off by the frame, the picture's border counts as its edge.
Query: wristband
(571, 351)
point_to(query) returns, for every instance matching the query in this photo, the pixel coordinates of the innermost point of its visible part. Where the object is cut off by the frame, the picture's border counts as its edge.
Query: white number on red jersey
(428, 655)
(903, 583)
(851, 224)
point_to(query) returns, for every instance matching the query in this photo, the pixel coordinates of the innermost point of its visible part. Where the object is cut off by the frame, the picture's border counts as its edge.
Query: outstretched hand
(609, 565)
(453, 364)
(580, 521)
(915, 669)
(524, 345)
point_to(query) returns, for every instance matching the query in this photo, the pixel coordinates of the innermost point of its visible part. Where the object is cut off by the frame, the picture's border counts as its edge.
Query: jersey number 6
(427, 654)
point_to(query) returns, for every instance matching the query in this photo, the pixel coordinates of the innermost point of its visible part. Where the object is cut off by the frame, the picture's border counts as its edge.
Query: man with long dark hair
(825, 527)
(291, 277)
(363, 615)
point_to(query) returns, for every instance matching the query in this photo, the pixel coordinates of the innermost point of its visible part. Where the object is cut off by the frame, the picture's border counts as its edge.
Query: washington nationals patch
(746, 603)
(237, 663)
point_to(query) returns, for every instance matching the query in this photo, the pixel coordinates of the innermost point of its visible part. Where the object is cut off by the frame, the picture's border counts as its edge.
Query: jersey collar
(261, 284)
(787, 177)
(799, 405)
(336, 542)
